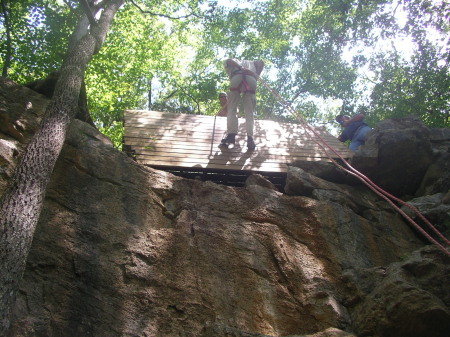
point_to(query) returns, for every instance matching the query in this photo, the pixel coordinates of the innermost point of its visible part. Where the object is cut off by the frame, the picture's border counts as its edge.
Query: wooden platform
(191, 141)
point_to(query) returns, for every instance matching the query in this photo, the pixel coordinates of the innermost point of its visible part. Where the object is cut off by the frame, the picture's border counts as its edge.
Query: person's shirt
(255, 66)
(223, 111)
(349, 130)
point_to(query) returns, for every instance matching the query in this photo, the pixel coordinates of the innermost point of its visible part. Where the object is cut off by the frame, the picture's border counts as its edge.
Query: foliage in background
(324, 57)
(40, 30)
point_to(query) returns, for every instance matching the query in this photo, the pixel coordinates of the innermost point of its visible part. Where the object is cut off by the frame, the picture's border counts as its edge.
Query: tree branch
(88, 12)
(163, 15)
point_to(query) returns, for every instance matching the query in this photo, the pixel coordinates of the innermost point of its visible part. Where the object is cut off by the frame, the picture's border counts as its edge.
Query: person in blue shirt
(355, 130)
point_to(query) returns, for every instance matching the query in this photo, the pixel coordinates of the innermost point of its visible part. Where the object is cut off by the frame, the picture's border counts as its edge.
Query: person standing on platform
(223, 99)
(243, 76)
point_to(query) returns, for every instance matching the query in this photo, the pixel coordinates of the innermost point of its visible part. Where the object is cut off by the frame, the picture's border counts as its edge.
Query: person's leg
(354, 144)
(359, 138)
(249, 102)
(233, 101)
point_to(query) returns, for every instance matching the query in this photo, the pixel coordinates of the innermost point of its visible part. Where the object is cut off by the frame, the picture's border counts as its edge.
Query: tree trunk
(8, 52)
(21, 204)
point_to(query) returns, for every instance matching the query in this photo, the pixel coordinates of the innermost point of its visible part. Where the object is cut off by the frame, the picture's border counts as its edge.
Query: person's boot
(250, 143)
(228, 140)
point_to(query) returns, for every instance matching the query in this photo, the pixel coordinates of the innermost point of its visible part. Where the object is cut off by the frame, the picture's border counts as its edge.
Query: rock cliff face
(125, 250)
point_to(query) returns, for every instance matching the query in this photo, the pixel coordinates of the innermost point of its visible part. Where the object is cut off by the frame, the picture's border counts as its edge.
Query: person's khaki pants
(248, 101)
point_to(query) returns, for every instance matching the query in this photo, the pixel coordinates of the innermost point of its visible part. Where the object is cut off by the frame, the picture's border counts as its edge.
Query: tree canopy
(382, 58)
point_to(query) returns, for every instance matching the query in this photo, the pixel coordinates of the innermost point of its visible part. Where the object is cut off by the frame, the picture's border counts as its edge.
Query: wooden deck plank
(220, 156)
(205, 136)
(264, 127)
(205, 124)
(266, 153)
(168, 135)
(189, 141)
(153, 117)
(165, 144)
(235, 166)
(169, 145)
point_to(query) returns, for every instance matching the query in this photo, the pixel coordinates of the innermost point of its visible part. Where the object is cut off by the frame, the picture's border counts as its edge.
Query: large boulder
(322, 169)
(404, 299)
(21, 110)
(436, 208)
(396, 155)
(437, 176)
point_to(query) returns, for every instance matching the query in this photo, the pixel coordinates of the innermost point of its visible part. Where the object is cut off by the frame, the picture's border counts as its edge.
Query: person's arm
(355, 118)
(259, 65)
(343, 136)
(223, 111)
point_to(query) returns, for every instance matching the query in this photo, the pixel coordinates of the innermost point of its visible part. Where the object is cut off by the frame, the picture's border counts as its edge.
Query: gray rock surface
(396, 155)
(126, 250)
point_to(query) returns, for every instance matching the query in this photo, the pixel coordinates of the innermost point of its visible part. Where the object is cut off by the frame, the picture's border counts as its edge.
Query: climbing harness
(243, 82)
(314, 135)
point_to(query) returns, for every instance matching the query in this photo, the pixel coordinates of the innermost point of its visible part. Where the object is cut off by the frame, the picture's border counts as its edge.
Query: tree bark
(8, 52)
(21, 204)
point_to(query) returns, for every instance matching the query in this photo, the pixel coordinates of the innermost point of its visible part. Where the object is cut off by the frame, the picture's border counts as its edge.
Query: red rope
(351, 170)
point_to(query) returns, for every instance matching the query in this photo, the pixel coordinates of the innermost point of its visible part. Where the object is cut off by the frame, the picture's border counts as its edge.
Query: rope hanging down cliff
(352, 171)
